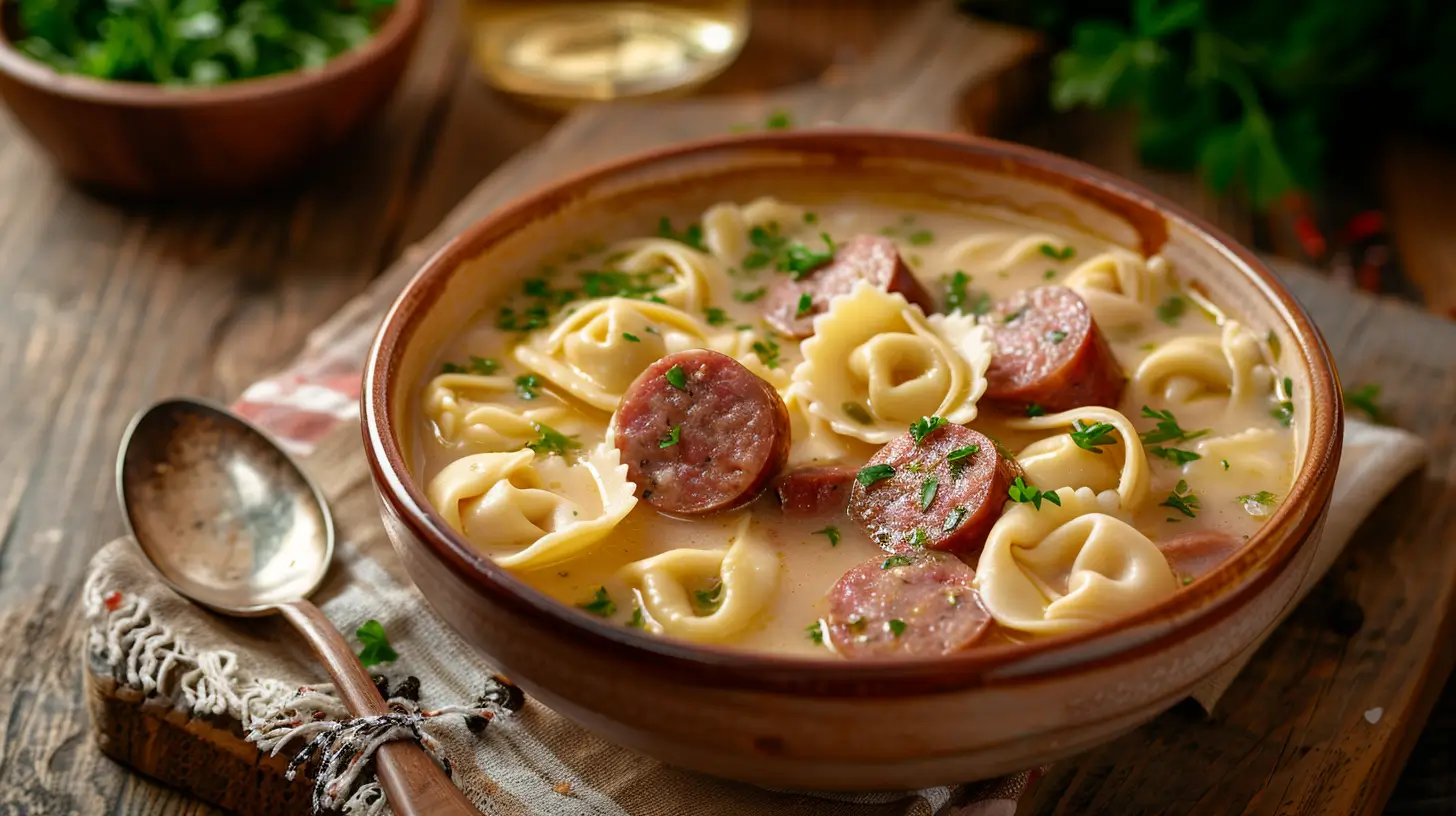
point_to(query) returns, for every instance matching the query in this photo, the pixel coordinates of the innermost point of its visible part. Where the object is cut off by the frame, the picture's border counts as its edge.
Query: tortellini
(726, 226)
(595, 353)
(814, 442)
(1068, 567)
(738, 344)
(1053, 462)
(1120, 287)
(1258, 459)
(696, 275)
(484, 426)
(533, 511)
(875, 364)
(748, 572)
(997, 252)
(1187, 367)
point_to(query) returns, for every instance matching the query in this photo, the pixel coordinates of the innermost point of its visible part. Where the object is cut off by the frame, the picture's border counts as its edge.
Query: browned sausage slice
(700, 433)
(942, 493)
(870, 258)
(815, 491)
(1050, 352)
(925, 606)
(1194, 555)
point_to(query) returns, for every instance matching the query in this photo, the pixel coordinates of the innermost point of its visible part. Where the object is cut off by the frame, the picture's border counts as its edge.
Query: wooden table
(110, 306)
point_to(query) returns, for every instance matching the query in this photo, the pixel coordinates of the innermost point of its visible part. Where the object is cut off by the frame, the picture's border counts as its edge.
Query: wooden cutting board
(1292, 735)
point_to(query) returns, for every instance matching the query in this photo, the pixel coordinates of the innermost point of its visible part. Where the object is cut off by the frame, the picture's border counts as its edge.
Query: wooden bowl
(150, 141)
(825, 724)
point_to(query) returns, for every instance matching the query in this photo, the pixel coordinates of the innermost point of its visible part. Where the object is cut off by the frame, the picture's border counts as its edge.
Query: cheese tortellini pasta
(1191, 366)
(1054, 462)
(484, 426)
(1068, 567)
(875, 364)
(997, 252)
(534, 511)
(726, 226)
(1121, 288)
(696, 275)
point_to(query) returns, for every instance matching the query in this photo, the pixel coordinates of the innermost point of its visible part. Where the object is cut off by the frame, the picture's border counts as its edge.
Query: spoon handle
(415, 785)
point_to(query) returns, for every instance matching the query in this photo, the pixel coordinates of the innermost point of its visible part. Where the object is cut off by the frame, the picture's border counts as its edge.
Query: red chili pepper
(112, 601)
(1310, 239)
(1365, 225)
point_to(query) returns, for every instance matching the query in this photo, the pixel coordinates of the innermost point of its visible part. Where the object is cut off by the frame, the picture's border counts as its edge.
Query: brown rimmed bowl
(825, 724)
(149, 141)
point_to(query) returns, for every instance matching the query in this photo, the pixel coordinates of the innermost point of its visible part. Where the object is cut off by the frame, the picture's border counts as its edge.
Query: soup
(855, 431)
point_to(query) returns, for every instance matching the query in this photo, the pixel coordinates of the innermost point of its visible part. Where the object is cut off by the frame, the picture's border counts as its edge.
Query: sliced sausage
(1050, 352)
(815, 491)
(712, 444)
(926, 606)
(937, 495)
(870, 258)
(1194, 555)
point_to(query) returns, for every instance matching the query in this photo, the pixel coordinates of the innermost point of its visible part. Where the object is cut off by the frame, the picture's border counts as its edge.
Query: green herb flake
(811, 218)
(716, 316)
(798, 260)
(778, 120)
(1171, 310)
(601, 604)
(1364, 399)
(1023, 493)
(707, 601)
(895, 561)
(676, 378)
(1092, 437)
(1056, 336)
(1258, 504)
(1177, 456)
(692, 236)
(767, 352)
(672, 437)
(918, 537)
(750, 296)
(551, 441)
(1034, 410)
(925, 426)
(953, 519)
(896, 627)
(452, 368)
(376, 644)
(921, 237)
(871, 474)
(1225, 463)
(1182, 500)
(528, 387)
(631, 338)
(1049, 274)
(857, 412)
(815, 632)
(637, 621)
(928, 489)
(1063, 254)
(806, 305)
(956, 286)
(831, 532)
(1167, 429)
(1187, 579)
(484, 366)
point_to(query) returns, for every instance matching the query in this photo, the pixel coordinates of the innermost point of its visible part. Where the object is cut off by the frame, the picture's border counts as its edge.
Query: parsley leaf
(1065, 253)
(1056, 336)
(707, 601)
(767, 352)
(815, 631)
(1168, 429)
(778, 120)
(857, 412)
(953, 519)
(528, 387)
(1023, 493)
(962, 453)
(671, 438)
(806, 304)
(896, 627)
(676, 378)
(637, 621)
(871, 474)
(895, 561)
(692, 236)
(1171, 310)
(928, 489)
(1182, 500)
(925, 426)
(750, 296)
(601, 604)
(452, 368)
(1363, 399)
(1258, 504)
(1177, 456)
(552, 441)
(1283, 410)
(484, 366)
(1092, 437)
(376, 644)
(799, 260)
(956, 291)
(631, 338)
(831, 532)
(921, 237)
(1034, 410)
(918, 537)
(715, 316)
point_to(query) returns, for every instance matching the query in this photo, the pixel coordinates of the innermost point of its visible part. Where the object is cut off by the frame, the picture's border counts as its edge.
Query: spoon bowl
(227, 517)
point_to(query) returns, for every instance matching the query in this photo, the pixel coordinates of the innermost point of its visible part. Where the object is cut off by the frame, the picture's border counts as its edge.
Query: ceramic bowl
(150, 141)
(825, 724)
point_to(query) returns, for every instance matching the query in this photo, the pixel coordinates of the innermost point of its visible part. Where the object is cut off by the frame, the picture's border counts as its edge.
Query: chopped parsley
(767, 351)
(953, 519)
(376, 644)
(1363, 399)
(1056, 336)
(1258, 504)
(857, 412)
(1023, 493)
(452, 368)
(750, 296)
(692, 236)
(637, 621)
(799, 260)
(528, 386)
(1171, 310)
(540, 300)
(601, 604)
(925, 426)
(1034, 410)
(896, 627)
(676, 378)
(767, 243)
(778, 120)
(955, 291)
(1225, 463)
(671, 438)
(928, 489)
(921, 237)
(1065, 253)
(1177, 456)
(831, 532)
(960, 454)
(1049, 274)
(1092, 437)
(806, 305)
(631, 338)
(811, 218)
(1014, 316)
(918, 537)
(1168, 429)
(895, 561)
(716, 316)
(870, 474)
(707, 601)
(815, 631)
(484, 366)
(552, 441)
(1284, 410)
(1182, 500)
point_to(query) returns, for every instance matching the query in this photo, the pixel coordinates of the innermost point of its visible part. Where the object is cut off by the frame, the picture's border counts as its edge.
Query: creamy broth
(499, 386)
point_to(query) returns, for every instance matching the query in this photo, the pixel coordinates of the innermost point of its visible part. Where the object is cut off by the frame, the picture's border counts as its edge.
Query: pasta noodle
(748, 572)
(1257, 457)
(1068, 567)
(540, 510)
(482, 426)
(726, 226)
(1132, 485)
(874, 357)
(1121, 288)
(696, 275)
(997, 252)
(1191, 366)
(814, 442)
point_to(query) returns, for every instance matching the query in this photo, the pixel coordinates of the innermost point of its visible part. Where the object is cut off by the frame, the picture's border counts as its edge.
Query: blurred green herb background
(193, 42)
(1258, 96)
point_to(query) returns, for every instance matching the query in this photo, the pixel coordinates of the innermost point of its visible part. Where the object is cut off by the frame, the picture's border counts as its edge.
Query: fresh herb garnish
(672, 437)
(857, 412)
(798, 260)
(1171, 310)
(928, 489)
(1014, 316)
(953, 519)
(918, 537)
(707, 601)
(637, 621)
(1034, 410)
(376, 644)
(1182, 500)
(778, 120)
(1092, 437)
(1177, 456)
(896, 627)
(895, 561)
(1167, 429)
(925, 426)
(1283, 411)
(960, 454)
(767, 351)
(1056, 336)
(452, 368)
(552, 441)
(1049, 274)
(692, 236)
(870, 474)
(831, 532)
(811, 218)
(806, 304)
(815, 631)
(1225, 463)
(1258, 504)
(1363, 399)
(1022, 492)
(921, 237)
(601, 604)
(484, 366)
(676, 378)
(955, 291)
(750, 296)
(1055, 254)
(528, 386)
(631, 338)
(767, 245)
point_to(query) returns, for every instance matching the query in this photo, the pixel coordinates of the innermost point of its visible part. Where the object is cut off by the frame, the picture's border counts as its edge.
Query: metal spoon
(233, 524)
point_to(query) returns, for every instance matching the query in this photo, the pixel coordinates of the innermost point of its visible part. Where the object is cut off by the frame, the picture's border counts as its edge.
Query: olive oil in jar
(559, 54)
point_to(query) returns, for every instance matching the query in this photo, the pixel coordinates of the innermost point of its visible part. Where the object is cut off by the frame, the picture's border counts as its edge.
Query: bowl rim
(399, 26)
(1213, 598)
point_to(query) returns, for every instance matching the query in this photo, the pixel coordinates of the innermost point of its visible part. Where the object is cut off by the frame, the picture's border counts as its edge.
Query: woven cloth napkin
(533, 761)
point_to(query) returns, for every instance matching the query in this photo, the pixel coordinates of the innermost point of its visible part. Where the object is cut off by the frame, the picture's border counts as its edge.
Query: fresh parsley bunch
(1250, 92)
(193, 42)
